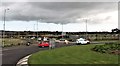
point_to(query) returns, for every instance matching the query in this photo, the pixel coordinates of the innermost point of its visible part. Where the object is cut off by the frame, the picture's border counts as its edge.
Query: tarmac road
(11, 55)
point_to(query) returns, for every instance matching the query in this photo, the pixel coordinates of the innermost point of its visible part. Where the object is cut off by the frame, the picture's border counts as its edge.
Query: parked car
(44, 44)
(62, 41)
(82, 41)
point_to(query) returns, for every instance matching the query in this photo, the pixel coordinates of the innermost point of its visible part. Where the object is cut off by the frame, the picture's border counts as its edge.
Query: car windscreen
(62, 39)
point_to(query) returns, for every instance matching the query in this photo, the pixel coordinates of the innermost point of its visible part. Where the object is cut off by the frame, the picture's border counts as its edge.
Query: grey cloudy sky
(59, 12)
(100, 14)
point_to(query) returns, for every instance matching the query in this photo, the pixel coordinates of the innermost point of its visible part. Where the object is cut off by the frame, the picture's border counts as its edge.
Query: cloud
(58, 12)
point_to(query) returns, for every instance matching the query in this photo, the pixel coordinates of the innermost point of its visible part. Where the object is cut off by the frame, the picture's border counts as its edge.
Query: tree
(116, 30)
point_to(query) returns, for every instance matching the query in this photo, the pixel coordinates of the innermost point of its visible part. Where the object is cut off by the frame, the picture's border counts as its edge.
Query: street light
(86, 28)
(5, 10)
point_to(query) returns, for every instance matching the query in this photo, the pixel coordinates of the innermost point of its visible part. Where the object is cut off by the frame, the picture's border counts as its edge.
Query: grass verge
(12, 41)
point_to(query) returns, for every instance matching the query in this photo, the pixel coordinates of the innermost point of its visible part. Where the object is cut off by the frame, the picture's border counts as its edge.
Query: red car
(44, 44)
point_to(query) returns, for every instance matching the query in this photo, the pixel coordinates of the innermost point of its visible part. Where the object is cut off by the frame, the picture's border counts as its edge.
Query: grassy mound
(72, 55)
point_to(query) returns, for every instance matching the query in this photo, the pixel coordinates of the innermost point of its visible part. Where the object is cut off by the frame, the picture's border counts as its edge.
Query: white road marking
(23, 61)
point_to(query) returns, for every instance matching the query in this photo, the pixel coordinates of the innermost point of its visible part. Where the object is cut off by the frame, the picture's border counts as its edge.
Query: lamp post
(86, 28)
(5, 10)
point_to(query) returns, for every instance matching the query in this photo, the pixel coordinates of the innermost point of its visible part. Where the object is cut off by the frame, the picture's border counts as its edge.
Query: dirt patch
(116, 52)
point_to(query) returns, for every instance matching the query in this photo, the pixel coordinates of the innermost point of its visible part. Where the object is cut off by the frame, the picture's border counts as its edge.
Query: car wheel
(78, 43)
(39, 46)
(88, 42)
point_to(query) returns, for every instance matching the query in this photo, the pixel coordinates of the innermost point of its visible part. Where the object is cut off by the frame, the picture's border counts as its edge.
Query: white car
(62, 41)
(82, 41)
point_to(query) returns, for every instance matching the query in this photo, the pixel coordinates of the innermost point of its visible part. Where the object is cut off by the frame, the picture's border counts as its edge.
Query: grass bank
(80, 54)
(12, 41)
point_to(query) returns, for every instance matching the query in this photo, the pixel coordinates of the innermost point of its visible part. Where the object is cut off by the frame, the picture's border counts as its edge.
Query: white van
(82, 41)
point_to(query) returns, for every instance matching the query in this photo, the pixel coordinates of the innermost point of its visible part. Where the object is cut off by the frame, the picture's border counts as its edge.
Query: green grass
(80, 54)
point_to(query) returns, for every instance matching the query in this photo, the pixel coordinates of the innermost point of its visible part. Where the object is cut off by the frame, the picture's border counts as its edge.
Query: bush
(107, 48)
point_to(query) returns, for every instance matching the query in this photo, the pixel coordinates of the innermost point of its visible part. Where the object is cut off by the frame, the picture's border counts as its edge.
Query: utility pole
(3, 42)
